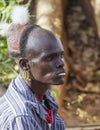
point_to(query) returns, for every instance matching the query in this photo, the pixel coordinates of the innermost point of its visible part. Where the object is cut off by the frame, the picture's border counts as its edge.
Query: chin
(58, 82)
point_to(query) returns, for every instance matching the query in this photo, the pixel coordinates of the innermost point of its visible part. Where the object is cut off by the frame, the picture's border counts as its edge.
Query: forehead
(43, 43)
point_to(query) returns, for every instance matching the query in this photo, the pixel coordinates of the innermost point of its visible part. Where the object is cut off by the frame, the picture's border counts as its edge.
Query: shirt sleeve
(23, 123)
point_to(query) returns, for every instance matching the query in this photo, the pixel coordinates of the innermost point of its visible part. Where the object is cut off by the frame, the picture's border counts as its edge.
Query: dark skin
(44, 60)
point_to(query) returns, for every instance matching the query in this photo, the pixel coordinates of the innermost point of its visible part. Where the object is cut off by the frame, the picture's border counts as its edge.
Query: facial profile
(44, 52)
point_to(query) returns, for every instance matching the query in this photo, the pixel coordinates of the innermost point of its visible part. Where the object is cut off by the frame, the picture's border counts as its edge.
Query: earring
(26, 76)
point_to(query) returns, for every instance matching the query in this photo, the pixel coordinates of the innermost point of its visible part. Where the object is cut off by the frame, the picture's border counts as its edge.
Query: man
(28, 104)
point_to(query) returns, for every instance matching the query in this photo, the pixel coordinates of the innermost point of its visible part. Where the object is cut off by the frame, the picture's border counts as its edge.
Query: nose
(60, 62)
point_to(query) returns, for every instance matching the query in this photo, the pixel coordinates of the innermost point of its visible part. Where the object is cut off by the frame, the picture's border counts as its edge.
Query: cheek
(41, 69)
(46, 69)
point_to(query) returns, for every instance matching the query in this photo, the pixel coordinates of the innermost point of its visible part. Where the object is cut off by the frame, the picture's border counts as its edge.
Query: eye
(50, 58)
(62, 55)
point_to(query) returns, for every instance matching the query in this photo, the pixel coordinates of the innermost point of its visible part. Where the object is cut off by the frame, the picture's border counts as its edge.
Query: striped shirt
(19, 109)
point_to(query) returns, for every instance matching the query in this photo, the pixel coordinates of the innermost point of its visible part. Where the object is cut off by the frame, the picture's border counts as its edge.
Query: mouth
(61, 74)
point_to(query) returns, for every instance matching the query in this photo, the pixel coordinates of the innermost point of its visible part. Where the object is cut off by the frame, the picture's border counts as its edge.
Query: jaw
(56, 81)
(59, 81)
(49, 79)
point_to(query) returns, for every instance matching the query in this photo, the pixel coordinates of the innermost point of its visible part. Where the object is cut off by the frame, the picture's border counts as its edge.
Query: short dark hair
(24, 38)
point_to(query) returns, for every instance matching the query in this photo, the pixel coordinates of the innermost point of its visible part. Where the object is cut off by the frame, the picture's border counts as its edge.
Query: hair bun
(20, 20)
(20, 15)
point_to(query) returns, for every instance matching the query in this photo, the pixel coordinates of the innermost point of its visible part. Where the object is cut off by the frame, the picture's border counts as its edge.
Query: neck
(38, 88)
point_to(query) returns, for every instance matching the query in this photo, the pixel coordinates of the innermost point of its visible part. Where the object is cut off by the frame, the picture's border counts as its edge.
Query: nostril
(60, 63)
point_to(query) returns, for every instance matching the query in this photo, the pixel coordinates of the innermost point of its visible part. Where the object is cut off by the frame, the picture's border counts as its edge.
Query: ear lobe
(23, 63)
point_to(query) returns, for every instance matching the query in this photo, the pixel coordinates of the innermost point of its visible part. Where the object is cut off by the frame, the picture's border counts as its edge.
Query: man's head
(42, 54)
(36, 50)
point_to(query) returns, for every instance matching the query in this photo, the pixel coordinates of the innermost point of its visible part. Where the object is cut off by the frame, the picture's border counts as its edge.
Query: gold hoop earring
(26, 76)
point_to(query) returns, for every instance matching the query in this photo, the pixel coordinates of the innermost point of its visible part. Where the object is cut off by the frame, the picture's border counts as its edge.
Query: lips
(62, 73)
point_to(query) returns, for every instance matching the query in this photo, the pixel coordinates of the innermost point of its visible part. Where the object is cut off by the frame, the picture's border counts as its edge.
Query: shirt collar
(22, 88)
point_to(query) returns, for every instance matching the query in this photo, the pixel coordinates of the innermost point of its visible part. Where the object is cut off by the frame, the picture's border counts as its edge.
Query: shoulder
(20, 122)
(11, 116)
(13, 106)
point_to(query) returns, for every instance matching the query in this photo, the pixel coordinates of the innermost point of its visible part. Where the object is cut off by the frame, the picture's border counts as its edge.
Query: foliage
(5, 8)
(7, 71)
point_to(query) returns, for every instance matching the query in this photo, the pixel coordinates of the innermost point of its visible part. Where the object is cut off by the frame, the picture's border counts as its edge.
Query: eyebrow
(53, 53)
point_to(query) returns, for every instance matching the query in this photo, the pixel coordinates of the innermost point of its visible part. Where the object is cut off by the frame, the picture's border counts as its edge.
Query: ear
(23, 63)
